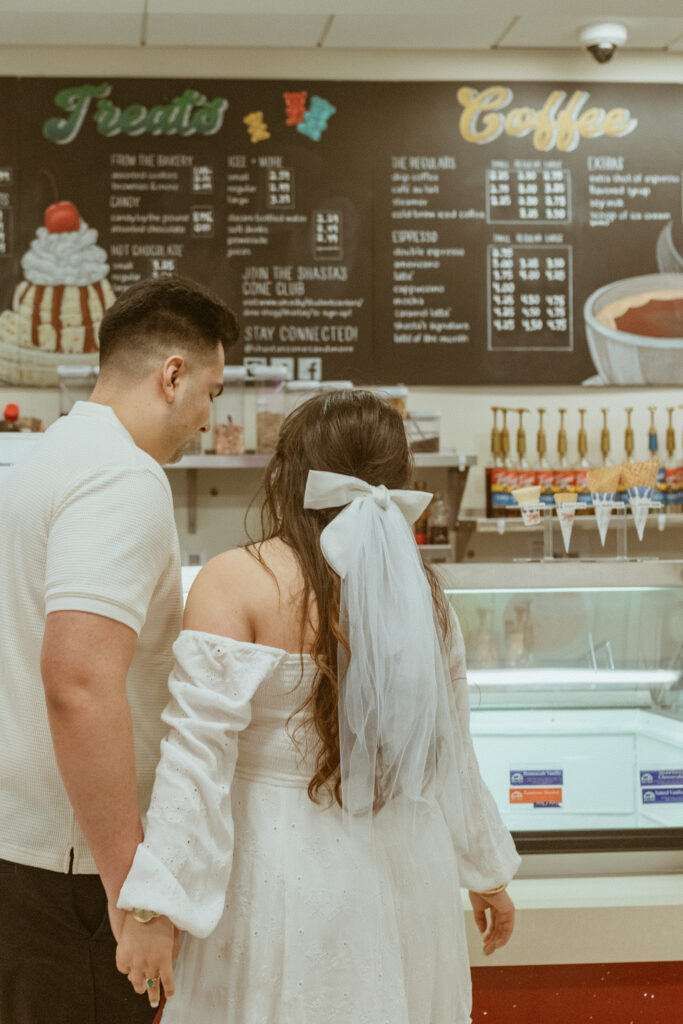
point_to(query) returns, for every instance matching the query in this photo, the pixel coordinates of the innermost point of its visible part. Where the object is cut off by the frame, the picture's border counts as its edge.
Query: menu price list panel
(537, 192)
(529, 300)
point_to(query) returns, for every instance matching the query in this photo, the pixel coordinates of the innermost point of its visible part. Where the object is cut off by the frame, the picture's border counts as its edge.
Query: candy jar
(228, 413)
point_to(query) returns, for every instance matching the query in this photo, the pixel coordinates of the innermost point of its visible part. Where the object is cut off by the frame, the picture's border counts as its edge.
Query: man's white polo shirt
(86, 524)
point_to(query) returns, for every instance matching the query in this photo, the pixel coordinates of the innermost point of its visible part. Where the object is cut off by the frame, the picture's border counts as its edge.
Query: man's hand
(145, 953)
(497, 929)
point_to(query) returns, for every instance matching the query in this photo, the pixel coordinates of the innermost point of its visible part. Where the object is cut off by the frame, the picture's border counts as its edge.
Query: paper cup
(602, 503)
(566, 511)
(531, 514)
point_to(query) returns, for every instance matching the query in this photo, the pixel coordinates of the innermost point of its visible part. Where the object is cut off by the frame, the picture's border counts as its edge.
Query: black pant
(57, 952)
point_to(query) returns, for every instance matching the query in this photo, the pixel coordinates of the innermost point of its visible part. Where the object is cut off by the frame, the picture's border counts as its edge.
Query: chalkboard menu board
(427, 233)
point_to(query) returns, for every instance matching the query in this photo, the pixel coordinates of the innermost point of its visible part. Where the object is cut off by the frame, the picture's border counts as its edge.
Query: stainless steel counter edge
(561, 574)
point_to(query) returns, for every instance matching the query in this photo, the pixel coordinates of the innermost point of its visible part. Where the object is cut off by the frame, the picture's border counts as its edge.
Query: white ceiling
(393, 24)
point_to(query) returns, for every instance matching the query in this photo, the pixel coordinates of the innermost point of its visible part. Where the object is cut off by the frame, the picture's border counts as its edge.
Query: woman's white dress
(286, 919)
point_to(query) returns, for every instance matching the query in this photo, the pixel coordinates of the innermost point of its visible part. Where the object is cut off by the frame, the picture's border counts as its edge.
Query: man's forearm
(93, 742)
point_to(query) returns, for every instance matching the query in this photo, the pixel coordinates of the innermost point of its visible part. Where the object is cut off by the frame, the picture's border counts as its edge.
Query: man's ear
(171, 372)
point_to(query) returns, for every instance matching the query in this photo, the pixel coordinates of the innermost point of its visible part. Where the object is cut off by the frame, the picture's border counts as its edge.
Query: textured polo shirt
(86, 524)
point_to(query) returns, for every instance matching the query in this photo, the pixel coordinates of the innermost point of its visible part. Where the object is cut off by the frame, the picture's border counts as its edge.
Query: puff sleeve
(490, 857)
(182, 868)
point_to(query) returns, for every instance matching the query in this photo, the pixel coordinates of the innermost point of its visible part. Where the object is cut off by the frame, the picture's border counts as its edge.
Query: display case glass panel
(576, 687)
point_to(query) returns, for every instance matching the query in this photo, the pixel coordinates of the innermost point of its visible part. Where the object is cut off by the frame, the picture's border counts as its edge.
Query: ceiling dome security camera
(603, 40)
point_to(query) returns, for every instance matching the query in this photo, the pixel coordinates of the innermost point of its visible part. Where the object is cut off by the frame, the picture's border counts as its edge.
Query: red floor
(579, 994)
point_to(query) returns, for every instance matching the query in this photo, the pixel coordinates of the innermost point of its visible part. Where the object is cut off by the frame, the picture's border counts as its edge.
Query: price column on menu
(529, 298)
(516, 195)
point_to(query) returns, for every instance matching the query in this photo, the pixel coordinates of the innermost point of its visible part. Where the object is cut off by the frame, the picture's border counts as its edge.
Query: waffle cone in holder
(639, 474)
(604, 480)
(527, 495)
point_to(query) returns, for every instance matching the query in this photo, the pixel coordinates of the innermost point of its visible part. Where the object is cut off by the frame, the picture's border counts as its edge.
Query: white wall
(466, 411)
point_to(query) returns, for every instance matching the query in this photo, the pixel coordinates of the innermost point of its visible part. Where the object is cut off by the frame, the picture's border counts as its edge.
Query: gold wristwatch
(144, 916)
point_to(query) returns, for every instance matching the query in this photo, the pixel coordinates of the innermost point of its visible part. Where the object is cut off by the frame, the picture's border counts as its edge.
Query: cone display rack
(608, 512)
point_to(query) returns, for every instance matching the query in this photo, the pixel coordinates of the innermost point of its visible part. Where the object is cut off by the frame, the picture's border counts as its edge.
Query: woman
(319, 703)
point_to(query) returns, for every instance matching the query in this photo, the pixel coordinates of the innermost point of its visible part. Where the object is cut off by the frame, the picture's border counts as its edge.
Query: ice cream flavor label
(665, 795)
(537, 795)
(536, 777)
(662, 777)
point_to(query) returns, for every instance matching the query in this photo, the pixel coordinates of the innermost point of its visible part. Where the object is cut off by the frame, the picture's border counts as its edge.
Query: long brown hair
(357, 434)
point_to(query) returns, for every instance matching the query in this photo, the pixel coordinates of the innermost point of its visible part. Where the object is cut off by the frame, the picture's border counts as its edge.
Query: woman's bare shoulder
(222, 596)
(247, 593)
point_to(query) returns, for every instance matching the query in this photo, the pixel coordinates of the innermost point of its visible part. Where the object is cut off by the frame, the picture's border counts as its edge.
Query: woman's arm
(182, 868)
(490, 859)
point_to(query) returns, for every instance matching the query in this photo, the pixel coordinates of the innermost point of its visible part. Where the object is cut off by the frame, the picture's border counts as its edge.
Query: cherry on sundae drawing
(58, 307)
(61, 217)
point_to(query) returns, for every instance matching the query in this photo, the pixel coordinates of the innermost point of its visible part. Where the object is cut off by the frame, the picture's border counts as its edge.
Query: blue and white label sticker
(663, 795)
(536, 777)
(662, 777)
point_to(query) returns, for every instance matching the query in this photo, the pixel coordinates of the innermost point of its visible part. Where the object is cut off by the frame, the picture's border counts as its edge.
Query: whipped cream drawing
(58, 307)
(70, 257)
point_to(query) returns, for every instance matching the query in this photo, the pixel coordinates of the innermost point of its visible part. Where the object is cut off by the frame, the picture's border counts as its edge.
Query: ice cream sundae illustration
(58, 307)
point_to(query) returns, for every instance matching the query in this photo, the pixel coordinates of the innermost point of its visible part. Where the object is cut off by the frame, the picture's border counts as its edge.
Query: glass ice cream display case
(575, 674)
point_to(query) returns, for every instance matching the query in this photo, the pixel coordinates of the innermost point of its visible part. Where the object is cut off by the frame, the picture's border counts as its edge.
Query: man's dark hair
(155, 316)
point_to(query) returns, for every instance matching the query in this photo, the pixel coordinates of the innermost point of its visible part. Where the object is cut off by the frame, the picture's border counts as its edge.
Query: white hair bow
(330, 490)
(392, 689)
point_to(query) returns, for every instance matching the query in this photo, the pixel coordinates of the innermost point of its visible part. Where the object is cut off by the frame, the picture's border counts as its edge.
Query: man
(90, 606)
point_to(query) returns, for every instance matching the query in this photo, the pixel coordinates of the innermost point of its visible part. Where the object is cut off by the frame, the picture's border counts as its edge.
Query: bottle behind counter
(9, 422)
(545, 475)
(582, 466)
(673, 469)
(421, 527)
(653, 448)
(522, 461)
(500, 476)
(565, 476)
(629, 436)
(605, 440)
(438, 520)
